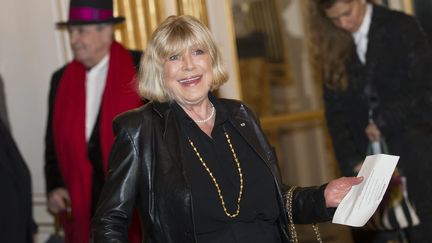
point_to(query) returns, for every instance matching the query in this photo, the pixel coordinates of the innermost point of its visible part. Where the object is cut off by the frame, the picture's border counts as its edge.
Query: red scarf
(69, 131)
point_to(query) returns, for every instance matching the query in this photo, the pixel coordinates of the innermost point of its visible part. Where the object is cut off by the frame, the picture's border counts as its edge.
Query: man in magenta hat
(85, 95)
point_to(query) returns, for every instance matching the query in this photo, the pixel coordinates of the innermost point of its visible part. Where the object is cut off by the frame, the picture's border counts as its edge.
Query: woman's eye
(198, 52)
(173, 58)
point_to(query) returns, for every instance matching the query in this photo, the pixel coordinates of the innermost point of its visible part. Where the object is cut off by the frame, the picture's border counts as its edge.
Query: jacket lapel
(248, 127)
(170, 131)
(179, 189)
(243, 124)
(375, 36)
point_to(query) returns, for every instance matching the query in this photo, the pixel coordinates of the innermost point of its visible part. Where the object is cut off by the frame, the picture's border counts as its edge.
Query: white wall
(30, 51)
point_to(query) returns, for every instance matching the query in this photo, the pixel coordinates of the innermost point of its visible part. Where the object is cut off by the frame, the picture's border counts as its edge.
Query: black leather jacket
(146, 171)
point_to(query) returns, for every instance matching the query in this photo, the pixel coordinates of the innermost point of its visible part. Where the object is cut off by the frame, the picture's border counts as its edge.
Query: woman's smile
(190, 81)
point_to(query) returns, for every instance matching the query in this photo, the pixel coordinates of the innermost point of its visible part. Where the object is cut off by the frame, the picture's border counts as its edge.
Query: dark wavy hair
(331, 46)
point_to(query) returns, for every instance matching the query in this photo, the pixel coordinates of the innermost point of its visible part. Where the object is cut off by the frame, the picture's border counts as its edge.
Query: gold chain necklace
(219, 191)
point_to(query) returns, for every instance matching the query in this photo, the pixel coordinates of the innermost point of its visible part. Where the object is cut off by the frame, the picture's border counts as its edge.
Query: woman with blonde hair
(198, 167)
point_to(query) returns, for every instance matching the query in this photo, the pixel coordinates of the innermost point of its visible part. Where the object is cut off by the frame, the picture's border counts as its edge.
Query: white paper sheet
(362, 200)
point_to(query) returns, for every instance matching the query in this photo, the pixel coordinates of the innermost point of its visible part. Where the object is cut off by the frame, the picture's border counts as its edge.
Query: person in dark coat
(199, 168)
(85, 95)
(377, 68)
(3, 107)
(16, 207)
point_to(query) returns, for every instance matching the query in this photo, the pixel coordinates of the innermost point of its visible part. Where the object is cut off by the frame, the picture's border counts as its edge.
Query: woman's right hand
(58, 201)
(338, 188)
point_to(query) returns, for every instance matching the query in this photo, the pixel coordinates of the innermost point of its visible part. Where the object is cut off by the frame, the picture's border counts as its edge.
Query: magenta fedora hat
(83, 12)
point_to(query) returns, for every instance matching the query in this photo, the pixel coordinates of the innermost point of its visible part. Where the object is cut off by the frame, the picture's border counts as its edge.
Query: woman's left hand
(372, 132)
(337, 189)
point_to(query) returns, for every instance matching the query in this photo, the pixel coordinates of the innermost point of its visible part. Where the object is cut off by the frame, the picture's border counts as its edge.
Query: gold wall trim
(408, 6)
(196, 8)
(142, 18)
(276, 121)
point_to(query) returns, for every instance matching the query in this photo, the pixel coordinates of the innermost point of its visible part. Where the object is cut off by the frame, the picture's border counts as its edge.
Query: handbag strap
(291, 226)
(57, 224)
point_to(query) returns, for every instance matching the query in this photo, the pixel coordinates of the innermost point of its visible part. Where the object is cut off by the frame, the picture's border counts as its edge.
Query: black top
(258, 208)
(16, 211)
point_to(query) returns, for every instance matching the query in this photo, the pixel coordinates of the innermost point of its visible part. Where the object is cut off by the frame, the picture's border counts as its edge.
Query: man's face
(347, 15)
(90, 43)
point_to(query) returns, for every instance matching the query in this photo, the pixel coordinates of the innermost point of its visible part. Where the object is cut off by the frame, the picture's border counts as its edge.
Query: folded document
(362, 200)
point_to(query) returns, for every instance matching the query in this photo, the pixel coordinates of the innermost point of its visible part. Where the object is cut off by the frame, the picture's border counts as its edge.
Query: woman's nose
(188, 63)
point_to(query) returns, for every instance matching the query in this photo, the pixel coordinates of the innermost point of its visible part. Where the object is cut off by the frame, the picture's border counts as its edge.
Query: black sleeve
(53, 178)
(309, 205)
(308, 202)
(120, 192)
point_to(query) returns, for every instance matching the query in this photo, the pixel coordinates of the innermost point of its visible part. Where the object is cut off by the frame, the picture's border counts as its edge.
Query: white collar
(364, 27)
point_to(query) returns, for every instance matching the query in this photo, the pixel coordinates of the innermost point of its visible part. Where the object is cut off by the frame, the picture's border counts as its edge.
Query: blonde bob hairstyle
(173, 37)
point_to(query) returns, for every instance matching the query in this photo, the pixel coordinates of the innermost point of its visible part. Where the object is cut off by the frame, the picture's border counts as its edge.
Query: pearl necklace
(216, 184)
(208, 118)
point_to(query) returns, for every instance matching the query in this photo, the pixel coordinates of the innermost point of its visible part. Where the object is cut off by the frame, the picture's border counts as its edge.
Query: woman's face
(347, 15)
(188, 75)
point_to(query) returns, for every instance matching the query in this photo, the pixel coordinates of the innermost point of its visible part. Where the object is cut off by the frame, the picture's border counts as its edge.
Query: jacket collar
(237, 114)
(376, 33)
